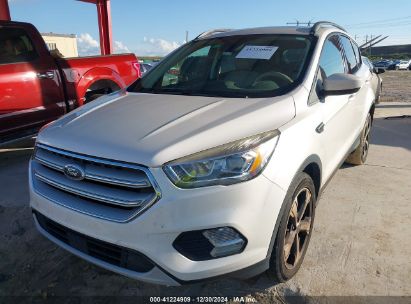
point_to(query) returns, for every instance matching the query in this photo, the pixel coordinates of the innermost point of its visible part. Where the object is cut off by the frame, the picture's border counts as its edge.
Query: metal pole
(104, 26)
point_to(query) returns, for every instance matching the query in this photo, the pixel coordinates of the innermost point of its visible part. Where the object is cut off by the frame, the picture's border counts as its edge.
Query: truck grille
(102, 188)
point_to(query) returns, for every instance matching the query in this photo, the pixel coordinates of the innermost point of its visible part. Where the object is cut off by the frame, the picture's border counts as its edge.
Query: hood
(152, 129)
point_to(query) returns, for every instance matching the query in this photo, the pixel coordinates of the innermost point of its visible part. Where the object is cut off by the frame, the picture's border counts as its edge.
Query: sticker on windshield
(257, 52)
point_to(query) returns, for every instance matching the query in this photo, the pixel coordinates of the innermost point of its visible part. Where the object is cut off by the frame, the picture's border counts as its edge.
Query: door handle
(320, 128)
(351, 97)
(46, 75)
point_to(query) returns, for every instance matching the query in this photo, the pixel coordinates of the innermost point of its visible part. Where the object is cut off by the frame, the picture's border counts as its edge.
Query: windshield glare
(233, 66)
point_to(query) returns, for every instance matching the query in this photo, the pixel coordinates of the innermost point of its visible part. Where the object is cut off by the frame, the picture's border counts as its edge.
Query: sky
(156, 27)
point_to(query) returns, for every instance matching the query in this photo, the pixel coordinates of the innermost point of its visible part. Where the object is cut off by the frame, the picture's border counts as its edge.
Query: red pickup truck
(37, 87)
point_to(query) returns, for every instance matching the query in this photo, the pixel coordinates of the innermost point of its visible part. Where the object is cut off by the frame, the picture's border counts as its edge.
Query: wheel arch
(313, 169)
(96, 77)
(311, 165)
(372, 110)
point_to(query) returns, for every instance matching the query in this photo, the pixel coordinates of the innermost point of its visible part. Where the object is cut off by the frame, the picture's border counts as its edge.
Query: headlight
(231, 163)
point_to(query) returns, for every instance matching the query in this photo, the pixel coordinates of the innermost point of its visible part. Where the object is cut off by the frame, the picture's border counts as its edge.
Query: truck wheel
(100, 88)
(359, 156)
(295, 229)
(92, 97)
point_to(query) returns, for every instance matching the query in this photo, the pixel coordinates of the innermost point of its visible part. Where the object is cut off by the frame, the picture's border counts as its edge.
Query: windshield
(233, 66)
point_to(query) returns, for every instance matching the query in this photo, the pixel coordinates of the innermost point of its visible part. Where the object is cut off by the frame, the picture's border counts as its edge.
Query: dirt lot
(360, 246)
(396, 86)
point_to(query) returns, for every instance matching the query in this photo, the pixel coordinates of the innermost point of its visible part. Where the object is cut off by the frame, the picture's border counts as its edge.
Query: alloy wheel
(298, 228)
(366, 140)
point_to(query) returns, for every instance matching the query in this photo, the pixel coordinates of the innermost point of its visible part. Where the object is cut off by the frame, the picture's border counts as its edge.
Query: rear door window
(357, 52)
(350, 56)
(15, 46)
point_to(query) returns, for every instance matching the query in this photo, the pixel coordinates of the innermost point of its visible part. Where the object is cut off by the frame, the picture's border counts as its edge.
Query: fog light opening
(225, 240)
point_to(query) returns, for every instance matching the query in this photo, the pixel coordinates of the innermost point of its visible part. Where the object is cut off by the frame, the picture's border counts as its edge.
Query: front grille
(105, 189)
(112, 254)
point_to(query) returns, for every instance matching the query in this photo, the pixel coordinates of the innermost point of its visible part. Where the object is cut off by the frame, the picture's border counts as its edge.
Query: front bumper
(251, 208)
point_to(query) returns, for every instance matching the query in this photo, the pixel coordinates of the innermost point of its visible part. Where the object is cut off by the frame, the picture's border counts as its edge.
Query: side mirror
(378, 70)
(341, 84)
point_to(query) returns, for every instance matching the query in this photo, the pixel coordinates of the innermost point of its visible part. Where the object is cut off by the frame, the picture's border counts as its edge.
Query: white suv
(213, 162)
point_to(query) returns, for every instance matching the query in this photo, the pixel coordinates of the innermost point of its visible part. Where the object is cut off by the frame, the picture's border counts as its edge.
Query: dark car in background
(383, 64)
(394, 65)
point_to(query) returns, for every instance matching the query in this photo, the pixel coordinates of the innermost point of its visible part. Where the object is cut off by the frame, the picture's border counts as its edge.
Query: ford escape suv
(213, 162)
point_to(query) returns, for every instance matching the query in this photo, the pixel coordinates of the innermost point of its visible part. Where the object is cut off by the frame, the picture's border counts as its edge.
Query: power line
(391, 24)
(386, 27)
(379, 21)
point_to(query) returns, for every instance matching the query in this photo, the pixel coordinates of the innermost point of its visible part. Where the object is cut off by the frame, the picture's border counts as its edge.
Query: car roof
(291, 30)
(317, 29)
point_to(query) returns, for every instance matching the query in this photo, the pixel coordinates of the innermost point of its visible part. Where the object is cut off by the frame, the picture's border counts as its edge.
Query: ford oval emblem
(74, 172)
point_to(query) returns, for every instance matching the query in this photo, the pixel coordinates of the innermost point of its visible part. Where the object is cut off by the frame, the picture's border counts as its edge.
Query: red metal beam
(104, 25)
(4, 10)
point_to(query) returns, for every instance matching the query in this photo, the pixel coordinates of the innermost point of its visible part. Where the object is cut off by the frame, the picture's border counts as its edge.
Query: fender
(313, 158)
(93, 76)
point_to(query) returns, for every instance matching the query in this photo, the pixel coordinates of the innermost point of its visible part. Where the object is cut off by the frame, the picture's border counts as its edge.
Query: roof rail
(211, 32)
(319, 24)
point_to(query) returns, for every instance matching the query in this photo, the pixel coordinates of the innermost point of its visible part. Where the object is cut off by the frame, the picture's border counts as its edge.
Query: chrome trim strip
(117, 182)
(48, 164)
(97, 178)
(107, 162)
(132, 216)
(104, 199)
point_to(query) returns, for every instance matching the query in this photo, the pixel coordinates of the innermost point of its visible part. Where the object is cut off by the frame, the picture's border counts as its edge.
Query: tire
(285, 259)
(378, 99)
(359, 156)
(93, 97)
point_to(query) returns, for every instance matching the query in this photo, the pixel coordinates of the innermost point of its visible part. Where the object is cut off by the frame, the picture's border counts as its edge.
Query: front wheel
(359, 156)
(295, 229)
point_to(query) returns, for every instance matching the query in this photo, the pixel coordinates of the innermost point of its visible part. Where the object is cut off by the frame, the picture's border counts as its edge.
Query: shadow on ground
(392, 131)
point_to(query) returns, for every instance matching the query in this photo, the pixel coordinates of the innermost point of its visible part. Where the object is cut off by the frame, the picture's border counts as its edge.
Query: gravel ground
(360, 246)
(396, 86)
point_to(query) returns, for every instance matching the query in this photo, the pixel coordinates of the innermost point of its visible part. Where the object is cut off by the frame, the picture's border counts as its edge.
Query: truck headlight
(231, 163)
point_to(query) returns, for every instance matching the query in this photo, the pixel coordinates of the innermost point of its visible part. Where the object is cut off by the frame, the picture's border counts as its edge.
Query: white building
(66, 44)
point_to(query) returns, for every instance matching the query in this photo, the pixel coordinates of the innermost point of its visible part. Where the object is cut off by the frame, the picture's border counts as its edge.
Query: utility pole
(370, 49)
(186, 36)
